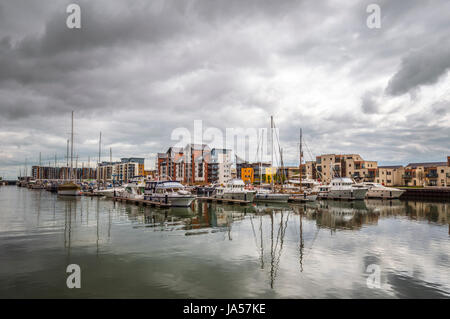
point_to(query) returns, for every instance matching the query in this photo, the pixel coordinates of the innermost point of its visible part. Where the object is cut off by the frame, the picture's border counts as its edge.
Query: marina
(231, 157)
(209, 250)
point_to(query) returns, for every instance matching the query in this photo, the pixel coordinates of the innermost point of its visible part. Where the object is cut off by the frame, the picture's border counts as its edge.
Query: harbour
(224, 158)
(209, 250)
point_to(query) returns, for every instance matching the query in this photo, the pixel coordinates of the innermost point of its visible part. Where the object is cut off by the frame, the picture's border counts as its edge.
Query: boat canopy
(344, 180)
(236, 182)
(169, 185)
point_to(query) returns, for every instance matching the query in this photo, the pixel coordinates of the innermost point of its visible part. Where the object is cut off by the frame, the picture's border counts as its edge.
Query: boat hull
(175, 201)
(69, 192)
(69, 189)
(301, 198)
(353, 194)
(273, 198)
(385, 194)
(244, 196)
(107, 192)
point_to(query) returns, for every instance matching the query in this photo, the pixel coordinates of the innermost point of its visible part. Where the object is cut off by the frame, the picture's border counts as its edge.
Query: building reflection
(333, 215)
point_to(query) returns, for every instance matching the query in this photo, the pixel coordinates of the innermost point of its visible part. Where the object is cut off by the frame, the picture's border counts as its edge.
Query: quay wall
(442, 193)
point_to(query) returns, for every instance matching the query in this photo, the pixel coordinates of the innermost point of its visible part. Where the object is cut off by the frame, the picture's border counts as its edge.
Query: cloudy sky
(137, 70)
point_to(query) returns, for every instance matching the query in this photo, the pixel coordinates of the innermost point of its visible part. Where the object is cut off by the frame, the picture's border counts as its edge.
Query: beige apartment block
(427, 174)
(310, 170)
(353, 166)
(390, 175)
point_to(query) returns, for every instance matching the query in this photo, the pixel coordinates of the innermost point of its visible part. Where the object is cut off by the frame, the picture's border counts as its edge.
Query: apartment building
(427, 174)
(390, 175)
(196, 159)
(353, 166)
(219, 166)
(51, 172)
(253, 172)
(121, 171)
(171, 165)
(247, 175)
(195, 164)
(310, 170)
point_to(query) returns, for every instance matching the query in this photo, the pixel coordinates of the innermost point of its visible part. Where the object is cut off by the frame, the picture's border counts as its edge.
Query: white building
(219, 166)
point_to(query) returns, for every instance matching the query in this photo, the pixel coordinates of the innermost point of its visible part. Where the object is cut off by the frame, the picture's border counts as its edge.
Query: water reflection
(317, 249)
(335, 215)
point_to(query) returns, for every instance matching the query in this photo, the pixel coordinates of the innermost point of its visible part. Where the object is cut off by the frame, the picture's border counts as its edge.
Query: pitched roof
(198, 146)
(429, 164)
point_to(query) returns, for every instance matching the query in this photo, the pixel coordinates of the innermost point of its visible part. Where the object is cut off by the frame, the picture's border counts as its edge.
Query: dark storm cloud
(421, 67)
(136, 70)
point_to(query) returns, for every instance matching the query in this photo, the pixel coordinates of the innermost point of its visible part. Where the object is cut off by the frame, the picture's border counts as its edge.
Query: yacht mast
(271, 151)
(300, 165)
(71, 150)
(110, 162)
(40, 168)
(260, 161)
(99, 157)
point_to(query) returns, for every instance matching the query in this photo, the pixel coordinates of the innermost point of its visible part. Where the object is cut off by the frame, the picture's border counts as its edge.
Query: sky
(139, 70)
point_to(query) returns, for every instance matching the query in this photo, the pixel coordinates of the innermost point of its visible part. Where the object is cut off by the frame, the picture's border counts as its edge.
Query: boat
(269, 195)
(377, 190)
(108, 192)
(133, 190)
(266, 195)
(70, 188)
(234, 189)
(35, 185)
(169, 192)
(52, 187)
(322, 191)
(344, 188)
(304, 195)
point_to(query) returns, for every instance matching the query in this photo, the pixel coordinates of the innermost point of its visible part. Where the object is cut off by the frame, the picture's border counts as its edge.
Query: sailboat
(266, 195)
(70, 188)
(303, 195)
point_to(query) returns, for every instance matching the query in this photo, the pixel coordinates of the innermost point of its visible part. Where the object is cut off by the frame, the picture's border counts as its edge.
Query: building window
(200, 170)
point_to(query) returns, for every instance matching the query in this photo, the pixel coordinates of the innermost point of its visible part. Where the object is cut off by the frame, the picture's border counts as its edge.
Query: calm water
(212, 251)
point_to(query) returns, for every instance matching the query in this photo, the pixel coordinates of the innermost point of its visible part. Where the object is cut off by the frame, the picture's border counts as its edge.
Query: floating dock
(142, 202)
(224, 201)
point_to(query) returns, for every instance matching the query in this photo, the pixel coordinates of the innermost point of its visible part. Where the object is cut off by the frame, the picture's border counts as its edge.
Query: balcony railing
(406, 176)
(448, 175)
(432, 175)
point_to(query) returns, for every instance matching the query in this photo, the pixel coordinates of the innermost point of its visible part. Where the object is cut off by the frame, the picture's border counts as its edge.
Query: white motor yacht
(235, 189)
(109, 192)
(344, 188)
(322, 191)
(133, 190)
(377, 190)
(169, 192)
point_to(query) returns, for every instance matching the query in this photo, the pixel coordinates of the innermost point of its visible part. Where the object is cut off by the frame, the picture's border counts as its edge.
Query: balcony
(406, 176)
(448, 175)
(432, 175)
